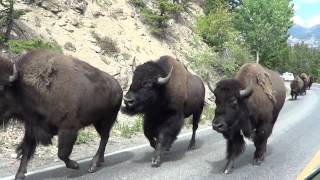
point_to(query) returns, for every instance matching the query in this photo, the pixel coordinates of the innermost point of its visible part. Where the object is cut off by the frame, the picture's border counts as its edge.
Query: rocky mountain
(308, 35)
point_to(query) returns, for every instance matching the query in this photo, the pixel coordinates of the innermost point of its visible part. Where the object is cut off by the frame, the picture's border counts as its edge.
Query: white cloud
(298, 20)
(314, 20)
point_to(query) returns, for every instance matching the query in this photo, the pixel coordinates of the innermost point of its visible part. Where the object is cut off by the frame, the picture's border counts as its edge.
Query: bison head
(147, 87)
(229, 99)
(8, 76)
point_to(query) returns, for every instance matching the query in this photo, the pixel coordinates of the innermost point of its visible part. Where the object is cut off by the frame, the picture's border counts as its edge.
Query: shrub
(107, 45)
(18, 46)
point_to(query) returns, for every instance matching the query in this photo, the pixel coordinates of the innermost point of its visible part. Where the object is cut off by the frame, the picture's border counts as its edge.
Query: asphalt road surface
(294, 141)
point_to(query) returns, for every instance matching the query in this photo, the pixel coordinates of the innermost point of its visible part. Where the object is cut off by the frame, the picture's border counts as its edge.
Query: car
(287, 76)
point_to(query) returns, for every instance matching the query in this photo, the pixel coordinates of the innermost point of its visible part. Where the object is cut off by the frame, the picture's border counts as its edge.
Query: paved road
(294, 141)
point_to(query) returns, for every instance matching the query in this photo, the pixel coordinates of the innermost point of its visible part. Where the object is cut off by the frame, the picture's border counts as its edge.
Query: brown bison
(296, 87)
(311, 80)
(305, 80)
(248, 105)
(53, 94)
(166, 93)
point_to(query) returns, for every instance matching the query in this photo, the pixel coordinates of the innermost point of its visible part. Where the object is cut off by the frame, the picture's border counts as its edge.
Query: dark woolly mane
(228, 86)
(149, 69)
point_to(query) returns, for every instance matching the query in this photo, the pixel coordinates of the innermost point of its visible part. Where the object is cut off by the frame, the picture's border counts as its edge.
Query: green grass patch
(85, 136)
(128, 130)
(18, 46)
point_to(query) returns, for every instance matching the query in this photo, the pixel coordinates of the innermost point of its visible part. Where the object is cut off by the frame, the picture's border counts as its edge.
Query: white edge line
(106, 155)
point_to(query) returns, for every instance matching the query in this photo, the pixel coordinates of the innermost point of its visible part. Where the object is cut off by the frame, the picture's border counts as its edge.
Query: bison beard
(164, 103)
(53, 94)
(251, 114)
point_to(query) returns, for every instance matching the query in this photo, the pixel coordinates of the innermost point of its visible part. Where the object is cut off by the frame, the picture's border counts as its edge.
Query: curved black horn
(14, 76)
(164, 80)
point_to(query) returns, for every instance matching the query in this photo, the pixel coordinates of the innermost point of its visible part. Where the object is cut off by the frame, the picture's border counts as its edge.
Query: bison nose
(219, 126)
(129, 101)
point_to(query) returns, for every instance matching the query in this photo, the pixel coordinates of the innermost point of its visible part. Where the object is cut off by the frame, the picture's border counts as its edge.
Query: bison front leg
(235, 146)
(67, 138)
(150, 132)
(168, 133)
(260, 142)
(26, 150)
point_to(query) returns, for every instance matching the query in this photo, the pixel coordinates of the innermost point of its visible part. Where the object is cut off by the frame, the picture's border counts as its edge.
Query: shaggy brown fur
(296, 87)
(252, 114)
(57, 94)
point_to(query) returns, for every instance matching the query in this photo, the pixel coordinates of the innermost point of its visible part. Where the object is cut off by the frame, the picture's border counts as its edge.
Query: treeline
(239, 31)
(302, 58)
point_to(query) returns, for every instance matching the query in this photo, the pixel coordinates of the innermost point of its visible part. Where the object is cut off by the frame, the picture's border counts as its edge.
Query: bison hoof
(92, 169)
(192, 146)
(155, 162)
(227, 171)
(20, 177)
(257, 161)
(72, 164)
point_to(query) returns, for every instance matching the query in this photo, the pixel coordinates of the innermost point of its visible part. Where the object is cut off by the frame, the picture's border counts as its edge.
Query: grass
(18, 46)
(107, 45)
(85, 136)
(128, 130)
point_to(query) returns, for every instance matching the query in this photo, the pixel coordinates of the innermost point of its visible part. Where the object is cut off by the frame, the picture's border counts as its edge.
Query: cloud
(313, 21)
(295, 7)
(298, 20)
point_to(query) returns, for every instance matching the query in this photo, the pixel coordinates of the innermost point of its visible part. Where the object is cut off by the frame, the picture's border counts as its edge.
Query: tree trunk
(257, 57)
(9, 21)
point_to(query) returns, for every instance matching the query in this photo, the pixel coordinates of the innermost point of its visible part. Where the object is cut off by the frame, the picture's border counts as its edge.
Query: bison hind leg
(103, 127)
(195, 121)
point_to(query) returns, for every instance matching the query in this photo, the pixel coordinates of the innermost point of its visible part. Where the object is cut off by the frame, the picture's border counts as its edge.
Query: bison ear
(14, 76)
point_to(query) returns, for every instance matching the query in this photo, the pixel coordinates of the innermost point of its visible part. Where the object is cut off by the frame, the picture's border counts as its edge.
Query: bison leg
(26, 149)
(149, 132)
(260, 142)
(168, 133)
(235, 146)
(67, 138)
(195, 121)
(103, 128)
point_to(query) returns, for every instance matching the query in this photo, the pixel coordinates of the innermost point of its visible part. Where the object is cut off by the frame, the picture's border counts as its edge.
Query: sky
(307, 13)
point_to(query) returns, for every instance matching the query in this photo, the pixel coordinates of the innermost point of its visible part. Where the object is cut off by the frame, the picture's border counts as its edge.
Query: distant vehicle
(287, 76)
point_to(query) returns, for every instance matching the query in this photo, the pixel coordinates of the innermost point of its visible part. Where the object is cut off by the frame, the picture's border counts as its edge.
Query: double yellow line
(310, 168)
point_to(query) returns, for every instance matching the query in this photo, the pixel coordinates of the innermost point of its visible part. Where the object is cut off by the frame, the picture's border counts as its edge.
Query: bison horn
(245, 92)
(133, 65)
(14, 76)
(164, 80)
(209, 83)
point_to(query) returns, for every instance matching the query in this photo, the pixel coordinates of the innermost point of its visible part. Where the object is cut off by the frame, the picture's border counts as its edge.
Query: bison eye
(147, 84)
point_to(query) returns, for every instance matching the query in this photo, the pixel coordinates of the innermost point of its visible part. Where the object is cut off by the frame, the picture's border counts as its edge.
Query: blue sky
(307, 12)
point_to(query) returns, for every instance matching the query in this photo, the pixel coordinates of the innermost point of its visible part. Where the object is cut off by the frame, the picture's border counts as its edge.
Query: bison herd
(54, 94)
(300, 84)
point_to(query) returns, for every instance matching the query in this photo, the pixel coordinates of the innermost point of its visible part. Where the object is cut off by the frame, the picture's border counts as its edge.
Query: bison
(248, 105)
(296, 87)
(305, 80)
(311, 80)
(165, 93)
(53, 94)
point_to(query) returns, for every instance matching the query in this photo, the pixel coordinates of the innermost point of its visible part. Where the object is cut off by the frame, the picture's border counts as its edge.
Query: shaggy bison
(296, 87)
(165, 92)
(56, 94)
(311, 80)
(248, 105)
(305, 80)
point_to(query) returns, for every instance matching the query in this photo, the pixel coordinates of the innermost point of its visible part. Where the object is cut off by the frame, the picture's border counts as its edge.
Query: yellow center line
(310, 168)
